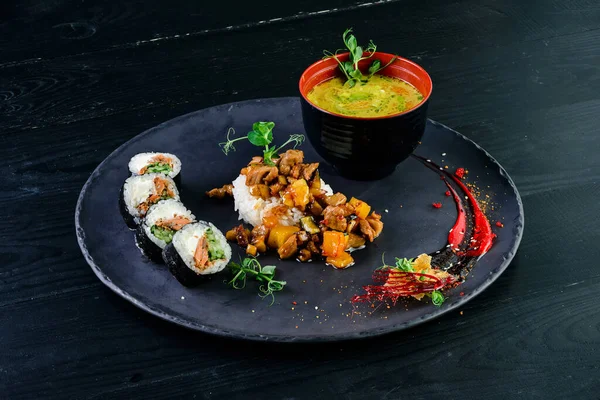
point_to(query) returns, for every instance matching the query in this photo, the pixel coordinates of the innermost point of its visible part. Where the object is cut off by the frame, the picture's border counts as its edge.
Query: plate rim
(317, 338)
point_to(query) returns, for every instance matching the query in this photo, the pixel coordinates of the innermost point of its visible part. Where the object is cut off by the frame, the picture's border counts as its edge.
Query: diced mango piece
(299, 190)
(361, 209)
(334, 243)
(251, 250)
(279, 234)
(343, 260)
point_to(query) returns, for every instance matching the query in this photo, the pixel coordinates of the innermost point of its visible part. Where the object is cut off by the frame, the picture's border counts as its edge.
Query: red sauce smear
(482, 231)
(395, 283)
(457, 233)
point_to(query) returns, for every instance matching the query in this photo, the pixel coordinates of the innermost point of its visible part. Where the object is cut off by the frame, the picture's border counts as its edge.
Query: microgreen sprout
(250, 267)
(357, 54)
(261, 135)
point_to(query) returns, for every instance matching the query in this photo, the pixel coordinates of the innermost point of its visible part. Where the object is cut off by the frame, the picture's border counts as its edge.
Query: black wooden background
(80, 77)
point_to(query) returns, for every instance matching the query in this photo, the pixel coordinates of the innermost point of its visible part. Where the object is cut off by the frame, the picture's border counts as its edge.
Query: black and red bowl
(365, 148)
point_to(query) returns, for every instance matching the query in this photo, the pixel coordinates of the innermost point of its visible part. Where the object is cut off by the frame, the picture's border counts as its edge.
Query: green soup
(380, 96)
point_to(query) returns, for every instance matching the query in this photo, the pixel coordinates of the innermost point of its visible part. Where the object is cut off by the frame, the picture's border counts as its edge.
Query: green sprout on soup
(357, 54)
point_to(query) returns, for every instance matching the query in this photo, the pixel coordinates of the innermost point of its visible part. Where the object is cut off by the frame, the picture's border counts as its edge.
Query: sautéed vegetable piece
(379, 96)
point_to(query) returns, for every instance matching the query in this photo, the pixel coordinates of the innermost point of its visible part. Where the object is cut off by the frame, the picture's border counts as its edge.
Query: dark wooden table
(80, 77)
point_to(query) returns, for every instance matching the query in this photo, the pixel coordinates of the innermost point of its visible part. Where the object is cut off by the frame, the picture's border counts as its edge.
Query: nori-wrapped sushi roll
(140, 192)
(197, 251)
(162, 221)
(160, 163)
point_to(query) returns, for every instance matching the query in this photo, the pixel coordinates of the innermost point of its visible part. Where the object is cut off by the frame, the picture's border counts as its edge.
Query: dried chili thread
(398, 284)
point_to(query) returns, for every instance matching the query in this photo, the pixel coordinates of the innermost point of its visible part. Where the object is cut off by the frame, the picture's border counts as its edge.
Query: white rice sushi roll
(142, 191)
(198, 250)
(162, 221)
(159, 163)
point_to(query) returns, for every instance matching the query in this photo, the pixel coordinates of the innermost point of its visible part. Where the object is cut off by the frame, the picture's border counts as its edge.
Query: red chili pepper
(499, 224)
(460, 172)
(437, 205)
(294, 303)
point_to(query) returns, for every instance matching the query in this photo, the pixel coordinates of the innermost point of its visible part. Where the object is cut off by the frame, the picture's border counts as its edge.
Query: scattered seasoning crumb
(445, 167)
(462, 294)
(182, 297)
(437, 205)
(428, 160)
(448, 193)
(461, 313)
(460, 172)
(294, 303)
(303, 281)
(317, 316)
(386, 210)
(296, 326)
(443, 154)
(252, 310)
(293, 308)
(316, 308)
(499, 224)
(306, 302)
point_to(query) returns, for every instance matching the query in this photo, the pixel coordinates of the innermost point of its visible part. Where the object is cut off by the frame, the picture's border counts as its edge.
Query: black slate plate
(323, 310)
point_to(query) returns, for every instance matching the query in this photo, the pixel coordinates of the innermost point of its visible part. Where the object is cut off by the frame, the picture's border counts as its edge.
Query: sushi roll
(140, 192)
(199, 249)
(162, 221)
(159, 163)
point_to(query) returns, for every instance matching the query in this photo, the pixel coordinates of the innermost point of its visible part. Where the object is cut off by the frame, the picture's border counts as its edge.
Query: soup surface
(380, 96)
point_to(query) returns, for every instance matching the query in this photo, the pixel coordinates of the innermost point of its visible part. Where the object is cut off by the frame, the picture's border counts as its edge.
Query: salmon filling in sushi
(197, 250)
(155, 163)
(162, 221)
(139, 193)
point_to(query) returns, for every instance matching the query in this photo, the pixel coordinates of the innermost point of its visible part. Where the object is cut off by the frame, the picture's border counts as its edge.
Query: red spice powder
(460, 173)
(437, 205)
(448, 193)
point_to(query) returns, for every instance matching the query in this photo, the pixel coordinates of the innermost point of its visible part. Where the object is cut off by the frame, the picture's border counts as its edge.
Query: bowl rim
(398, 58)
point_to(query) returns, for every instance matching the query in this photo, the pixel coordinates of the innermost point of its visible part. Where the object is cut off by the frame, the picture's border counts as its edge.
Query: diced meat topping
(260, 174)
(289, 248)
(289, 159)
(219, 193)
(335, 218)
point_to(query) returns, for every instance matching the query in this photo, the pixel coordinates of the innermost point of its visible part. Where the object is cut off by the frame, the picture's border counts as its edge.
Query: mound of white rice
(141, 160)
(252, 209)
(138, 188)
(186, 241)
(164, 209)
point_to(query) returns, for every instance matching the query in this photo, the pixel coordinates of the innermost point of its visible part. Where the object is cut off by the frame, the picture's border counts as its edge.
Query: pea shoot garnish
(350, 68)
(261, 135)
(250, 267)
(437, 298)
